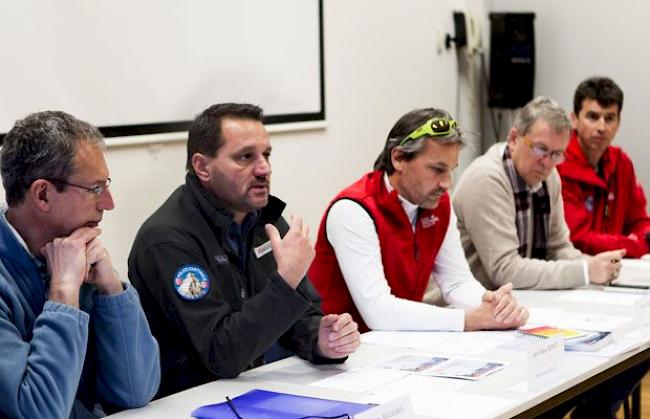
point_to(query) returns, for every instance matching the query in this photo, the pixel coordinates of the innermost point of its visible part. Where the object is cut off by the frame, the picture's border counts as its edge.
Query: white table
(292, 375)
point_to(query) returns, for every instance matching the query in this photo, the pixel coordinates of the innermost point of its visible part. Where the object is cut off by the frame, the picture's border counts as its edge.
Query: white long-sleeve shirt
(353, 235)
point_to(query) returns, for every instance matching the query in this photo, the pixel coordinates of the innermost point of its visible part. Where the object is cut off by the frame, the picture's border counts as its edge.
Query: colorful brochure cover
(574, 340)
(442, 366)
(548, 331)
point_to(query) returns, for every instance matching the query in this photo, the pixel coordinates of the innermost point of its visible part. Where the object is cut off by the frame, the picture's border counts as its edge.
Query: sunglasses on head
(434, 127)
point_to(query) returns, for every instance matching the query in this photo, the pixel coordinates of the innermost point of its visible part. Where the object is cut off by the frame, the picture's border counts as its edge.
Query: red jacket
(407, 257)
(602, 213)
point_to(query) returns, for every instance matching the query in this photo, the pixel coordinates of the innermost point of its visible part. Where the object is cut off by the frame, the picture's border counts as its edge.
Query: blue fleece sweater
(57, 361)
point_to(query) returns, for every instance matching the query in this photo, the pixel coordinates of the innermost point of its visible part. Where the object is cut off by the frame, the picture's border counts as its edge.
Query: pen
(626, 290)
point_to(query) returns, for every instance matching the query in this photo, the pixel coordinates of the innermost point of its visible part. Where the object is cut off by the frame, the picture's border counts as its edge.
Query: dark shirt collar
(242, 230)
(237, 236)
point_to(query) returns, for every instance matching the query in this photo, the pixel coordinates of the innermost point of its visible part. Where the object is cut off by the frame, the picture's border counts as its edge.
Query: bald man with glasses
(510, 212)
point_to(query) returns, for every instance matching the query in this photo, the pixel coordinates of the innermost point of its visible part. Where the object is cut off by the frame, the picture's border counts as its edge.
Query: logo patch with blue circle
(191, 282)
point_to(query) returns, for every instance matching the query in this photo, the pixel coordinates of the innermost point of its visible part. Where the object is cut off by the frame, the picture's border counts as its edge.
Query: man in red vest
(604, 204)
(383, 236)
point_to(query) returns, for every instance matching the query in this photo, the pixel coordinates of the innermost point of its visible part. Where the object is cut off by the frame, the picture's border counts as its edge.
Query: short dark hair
(205, 132)
(42, 146)
(403, 127)
(601, 89)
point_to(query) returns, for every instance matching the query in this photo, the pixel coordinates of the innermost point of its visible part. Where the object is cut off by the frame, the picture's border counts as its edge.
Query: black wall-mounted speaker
(512, 59)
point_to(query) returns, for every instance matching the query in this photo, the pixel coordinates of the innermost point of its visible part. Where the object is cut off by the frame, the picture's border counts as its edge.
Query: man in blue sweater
(74, 341)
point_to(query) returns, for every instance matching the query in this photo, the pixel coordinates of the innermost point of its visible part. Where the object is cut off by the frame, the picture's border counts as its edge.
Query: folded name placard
(271, 405)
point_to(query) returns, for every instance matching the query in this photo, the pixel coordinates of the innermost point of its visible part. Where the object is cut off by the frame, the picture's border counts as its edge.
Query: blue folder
(262, 404)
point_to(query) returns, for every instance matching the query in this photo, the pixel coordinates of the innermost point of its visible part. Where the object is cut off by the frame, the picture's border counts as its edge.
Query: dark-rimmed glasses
(556, 157)
(434, 127)
(96, 190)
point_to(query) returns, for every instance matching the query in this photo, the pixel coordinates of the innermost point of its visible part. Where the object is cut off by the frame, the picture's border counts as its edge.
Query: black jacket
(242, 314)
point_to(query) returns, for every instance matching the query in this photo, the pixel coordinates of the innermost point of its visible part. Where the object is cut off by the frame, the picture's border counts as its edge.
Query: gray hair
(42, 146)
(542, 108)
(403, 127)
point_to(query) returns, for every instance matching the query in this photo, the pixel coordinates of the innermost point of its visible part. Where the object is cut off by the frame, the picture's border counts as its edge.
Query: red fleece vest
(407, 257)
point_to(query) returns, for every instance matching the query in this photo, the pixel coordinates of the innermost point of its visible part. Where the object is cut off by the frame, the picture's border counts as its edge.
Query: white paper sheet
(440, 402)
(360, 379)
(602, 297)
(540, 315)
(461, 343)
(635, 270)
(299, 373)
(572, 320)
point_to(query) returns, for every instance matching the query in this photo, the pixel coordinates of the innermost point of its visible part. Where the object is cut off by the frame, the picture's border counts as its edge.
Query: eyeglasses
(96, 190)
(556, 157)
(435, 127)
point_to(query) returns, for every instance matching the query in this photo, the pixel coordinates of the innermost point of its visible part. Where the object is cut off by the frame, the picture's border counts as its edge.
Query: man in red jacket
(604, 204)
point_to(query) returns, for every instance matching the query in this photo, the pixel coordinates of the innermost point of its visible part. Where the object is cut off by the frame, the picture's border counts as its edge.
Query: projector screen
(149, 66)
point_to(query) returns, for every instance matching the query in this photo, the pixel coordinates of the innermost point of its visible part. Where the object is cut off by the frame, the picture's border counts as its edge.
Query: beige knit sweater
(484, 203)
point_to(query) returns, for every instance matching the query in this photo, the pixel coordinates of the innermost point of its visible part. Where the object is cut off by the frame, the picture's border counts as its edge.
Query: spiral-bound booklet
(574, 340)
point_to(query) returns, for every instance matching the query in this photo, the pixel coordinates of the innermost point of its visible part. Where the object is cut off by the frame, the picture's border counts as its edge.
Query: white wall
(380, 62)
(581, 38)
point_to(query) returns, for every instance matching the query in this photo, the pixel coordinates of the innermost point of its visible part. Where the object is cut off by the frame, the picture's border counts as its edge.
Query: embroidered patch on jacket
(429, 221)
(589, 203)
(263, 249)
(191, 282)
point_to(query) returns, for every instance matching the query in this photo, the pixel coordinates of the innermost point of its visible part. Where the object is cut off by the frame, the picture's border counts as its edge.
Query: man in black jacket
(221, 274)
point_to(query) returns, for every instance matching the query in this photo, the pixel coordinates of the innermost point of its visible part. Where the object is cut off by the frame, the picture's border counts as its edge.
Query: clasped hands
(75, 259)
(498, 310)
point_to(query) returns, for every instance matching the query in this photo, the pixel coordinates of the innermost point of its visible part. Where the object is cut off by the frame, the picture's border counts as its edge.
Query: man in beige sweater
(511, 221)
(510, 212)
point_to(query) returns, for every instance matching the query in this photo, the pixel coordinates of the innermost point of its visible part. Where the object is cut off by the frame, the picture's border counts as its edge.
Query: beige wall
(582, 38)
